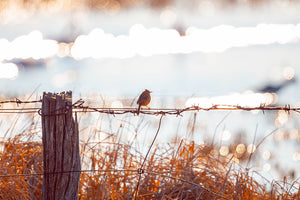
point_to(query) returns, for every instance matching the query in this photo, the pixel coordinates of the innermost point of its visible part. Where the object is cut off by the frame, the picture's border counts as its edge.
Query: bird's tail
(138, 111)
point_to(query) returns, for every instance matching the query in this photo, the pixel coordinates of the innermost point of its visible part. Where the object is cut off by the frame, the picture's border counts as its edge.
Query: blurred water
(236, 70)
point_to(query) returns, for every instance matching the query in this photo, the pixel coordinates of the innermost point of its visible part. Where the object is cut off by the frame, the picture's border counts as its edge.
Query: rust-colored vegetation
(182, 170)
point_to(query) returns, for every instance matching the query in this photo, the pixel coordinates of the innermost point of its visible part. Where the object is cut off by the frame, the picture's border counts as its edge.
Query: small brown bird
(144, 100)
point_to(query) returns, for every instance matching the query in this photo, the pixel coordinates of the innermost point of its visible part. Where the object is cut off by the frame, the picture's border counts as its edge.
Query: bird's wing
(141, 98)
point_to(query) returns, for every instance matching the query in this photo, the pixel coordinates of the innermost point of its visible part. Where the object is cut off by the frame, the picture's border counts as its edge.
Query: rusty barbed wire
(79, 106)
(18, 101)
(179, 111)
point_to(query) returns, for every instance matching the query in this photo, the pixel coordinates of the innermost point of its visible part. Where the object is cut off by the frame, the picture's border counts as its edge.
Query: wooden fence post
(60, 147)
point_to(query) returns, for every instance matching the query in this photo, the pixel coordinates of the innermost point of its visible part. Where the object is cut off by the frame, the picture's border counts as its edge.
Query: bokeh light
(266, 155)
(282, 118)
(168, 17)
(296, 156)
(267, 167)
(251, 148)
(8, 71)
(246, 99)
(279, 135)
(294, 134)
(240, 148)
(225, 135)
(64, 49)
(151, 41)
(28, 46)
(288, 73)
(224, 150)
(155, 41)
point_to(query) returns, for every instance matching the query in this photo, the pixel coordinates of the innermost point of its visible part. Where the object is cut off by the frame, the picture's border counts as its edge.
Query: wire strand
(152, 111)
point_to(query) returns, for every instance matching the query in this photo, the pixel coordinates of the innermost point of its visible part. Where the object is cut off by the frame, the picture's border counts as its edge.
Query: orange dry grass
(179, 171)
(189, 171)
(20, 158)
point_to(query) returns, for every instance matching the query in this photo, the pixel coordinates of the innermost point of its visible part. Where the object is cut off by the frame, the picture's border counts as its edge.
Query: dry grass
(181, 170)
(21, 158)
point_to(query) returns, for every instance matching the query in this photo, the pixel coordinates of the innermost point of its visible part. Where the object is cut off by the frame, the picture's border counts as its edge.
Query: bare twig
(141, 170)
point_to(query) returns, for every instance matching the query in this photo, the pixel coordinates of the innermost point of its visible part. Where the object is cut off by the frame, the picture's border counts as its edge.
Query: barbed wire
(79, 107)
(18, 101)
(179, 111)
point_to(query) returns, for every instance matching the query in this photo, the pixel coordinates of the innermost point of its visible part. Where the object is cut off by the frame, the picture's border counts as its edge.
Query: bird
(144, 100)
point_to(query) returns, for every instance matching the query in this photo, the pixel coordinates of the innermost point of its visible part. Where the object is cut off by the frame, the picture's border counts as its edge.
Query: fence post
(60, 137)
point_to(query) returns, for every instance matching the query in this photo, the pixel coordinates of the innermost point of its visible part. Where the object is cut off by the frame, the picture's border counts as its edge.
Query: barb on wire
(18, 101)
(78, 103)
(18, 110)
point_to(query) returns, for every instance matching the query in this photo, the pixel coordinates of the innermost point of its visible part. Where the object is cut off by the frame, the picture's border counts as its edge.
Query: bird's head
(147, 91)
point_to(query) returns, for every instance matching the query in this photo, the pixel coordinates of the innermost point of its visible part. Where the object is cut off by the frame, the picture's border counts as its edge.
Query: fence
(79, 106)
(61, 161)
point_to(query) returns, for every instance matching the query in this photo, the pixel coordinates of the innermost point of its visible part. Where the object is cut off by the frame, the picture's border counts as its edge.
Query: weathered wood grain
(60, 147)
